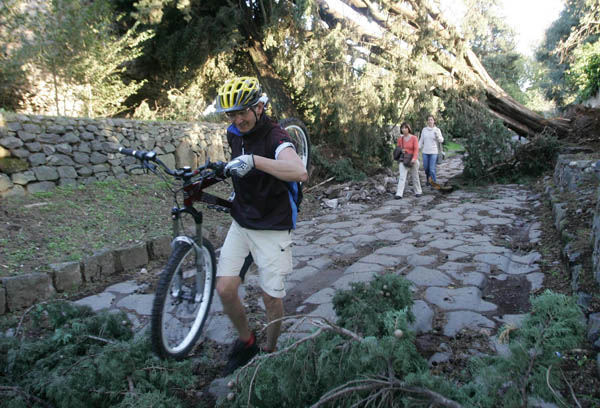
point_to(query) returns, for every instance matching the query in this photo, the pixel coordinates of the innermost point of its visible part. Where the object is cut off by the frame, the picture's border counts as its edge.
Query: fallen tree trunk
(458, 63)
(521, 119)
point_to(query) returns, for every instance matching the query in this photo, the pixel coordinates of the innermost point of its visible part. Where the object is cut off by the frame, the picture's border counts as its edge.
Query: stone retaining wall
(37, 153)
(19, 292)
(580, 178)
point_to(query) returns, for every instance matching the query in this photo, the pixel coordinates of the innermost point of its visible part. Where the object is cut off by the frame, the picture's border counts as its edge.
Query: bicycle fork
(196, 243)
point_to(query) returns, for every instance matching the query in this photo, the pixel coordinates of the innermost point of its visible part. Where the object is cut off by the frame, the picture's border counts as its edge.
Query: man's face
(245, 119)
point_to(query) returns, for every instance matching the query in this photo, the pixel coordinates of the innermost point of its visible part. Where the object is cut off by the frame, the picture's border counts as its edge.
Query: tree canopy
(73, 47)
(570, 53)
(351, 69)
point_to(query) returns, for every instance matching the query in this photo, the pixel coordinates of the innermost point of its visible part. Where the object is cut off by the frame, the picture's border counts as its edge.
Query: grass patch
(70, 223)
(453, 148)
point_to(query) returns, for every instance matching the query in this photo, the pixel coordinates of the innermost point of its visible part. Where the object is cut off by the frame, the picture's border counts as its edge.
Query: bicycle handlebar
(151, 156)
(138, 154)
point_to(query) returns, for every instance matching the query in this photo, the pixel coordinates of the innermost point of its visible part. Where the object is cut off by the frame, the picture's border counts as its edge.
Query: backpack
(295, 189)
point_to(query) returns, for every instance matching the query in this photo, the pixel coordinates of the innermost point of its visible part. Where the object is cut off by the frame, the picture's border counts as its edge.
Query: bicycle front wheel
(182, 301)
(299, 135)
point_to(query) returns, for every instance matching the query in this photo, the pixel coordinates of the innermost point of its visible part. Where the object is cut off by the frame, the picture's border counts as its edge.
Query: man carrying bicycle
(264, 213)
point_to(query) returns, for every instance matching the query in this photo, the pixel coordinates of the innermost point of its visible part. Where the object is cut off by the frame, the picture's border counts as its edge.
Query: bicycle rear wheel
(299, 135)
(182, 301)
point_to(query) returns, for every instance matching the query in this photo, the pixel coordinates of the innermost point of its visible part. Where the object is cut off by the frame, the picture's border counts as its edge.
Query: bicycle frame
(193, 192)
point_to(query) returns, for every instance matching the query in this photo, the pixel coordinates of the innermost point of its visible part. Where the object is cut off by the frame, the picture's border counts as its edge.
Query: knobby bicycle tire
(178, 316)
(299, 134)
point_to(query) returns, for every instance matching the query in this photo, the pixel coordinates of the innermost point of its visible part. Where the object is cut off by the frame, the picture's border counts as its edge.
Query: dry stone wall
(38, 153)
(21, 291)
(580, 177)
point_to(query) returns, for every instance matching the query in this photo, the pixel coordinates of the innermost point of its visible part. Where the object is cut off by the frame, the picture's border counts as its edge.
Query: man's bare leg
(274, 308)
(227, 288)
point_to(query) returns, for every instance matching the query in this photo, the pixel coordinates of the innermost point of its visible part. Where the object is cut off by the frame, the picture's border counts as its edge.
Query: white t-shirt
(428, 139)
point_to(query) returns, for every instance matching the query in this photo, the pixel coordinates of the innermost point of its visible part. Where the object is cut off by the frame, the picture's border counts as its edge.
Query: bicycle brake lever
(135, 168)
(145, 166)
(149, 166)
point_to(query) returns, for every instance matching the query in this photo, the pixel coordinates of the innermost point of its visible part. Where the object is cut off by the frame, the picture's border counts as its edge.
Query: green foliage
(347, 100)
(12, 76)
(536, 157)
(487, 146)
(76, 46)
(554, 326)
(522, 161)
(363, 308)
(535, 97)
(552, 80)
(568, 53)
(300, 377)
(486, 140)
(584, 73)
(75, 358)
(84, 359)
(196, 48)
(509, 70)
(342, 169)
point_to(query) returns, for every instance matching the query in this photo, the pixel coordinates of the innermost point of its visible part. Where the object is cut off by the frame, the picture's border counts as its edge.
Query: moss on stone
(11, 165)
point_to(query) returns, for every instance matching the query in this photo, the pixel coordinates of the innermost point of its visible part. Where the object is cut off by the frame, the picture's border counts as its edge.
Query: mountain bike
(186, 285)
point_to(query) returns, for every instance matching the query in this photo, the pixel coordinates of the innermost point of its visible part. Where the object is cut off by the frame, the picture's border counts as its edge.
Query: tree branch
(387, 385)
(30, 308)
(19, 391)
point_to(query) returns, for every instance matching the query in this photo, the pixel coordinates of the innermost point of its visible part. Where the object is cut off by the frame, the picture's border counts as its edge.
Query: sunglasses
(234, 114)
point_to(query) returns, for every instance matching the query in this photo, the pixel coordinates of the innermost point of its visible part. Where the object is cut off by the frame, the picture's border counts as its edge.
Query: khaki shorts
(271, 250)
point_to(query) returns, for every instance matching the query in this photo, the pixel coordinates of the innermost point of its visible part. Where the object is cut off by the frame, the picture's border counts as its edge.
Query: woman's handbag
(405, 158)
(398, 153)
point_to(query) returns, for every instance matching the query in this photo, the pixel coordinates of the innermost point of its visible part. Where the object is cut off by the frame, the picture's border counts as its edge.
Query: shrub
(342, 169)
(361, 308)
(555, 324)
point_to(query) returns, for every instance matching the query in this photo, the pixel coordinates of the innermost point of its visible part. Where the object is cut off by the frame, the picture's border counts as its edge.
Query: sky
(529, 18)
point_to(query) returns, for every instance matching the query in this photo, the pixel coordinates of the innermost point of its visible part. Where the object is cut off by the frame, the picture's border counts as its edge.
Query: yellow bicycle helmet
(237, 94)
